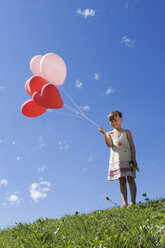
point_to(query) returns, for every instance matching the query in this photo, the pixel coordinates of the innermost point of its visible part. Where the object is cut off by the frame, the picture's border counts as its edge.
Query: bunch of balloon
(49, 71)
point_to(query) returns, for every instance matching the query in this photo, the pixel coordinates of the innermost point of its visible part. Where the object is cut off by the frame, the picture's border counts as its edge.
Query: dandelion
(107, 198)
(144, 194)
(76, 212)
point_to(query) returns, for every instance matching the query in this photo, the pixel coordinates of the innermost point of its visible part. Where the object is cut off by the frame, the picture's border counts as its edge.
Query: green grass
(142, 225)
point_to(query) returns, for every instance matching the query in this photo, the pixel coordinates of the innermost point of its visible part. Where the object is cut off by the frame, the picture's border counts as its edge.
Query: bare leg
(123, 190)
(132, 186)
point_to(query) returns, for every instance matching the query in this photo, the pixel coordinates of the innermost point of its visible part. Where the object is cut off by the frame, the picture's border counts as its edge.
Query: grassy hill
(142, 225)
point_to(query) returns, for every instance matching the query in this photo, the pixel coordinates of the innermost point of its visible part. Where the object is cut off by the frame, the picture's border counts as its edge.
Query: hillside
(142, 225)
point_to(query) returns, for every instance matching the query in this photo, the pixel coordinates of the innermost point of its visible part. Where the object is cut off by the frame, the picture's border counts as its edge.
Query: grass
(142, 225)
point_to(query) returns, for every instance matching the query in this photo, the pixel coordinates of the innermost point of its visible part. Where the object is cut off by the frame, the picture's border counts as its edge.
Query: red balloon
(31, 109)
(49, 97)
(27, 87)
(36, 84)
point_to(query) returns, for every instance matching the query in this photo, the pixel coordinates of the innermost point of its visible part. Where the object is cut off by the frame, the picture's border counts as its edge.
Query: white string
(72, 109)
(91, 121)
(61, 113)
(72, 101)
(81, 112)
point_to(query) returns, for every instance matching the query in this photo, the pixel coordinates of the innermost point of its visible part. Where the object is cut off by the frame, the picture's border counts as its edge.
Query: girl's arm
(107, 137)
(131, 144)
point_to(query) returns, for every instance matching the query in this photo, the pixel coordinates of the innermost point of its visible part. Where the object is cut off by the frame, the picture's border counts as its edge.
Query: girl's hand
(135, 163)
(107, 137)
(102, 130)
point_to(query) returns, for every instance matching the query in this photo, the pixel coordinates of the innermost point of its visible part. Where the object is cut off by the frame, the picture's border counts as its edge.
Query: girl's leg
(132, 186)
(123, 190)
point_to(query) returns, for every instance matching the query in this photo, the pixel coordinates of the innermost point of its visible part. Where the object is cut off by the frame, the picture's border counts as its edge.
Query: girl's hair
(113, 114)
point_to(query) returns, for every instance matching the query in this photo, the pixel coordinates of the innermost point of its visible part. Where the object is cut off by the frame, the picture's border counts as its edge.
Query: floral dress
(120, 155)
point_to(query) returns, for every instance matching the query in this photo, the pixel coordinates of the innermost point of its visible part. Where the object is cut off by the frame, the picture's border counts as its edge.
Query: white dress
(120, 155)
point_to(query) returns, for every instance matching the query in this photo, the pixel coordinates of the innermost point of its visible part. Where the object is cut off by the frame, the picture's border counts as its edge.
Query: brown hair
(113, 114)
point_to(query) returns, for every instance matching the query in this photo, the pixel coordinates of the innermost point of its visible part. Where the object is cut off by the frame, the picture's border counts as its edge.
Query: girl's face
(116, 122)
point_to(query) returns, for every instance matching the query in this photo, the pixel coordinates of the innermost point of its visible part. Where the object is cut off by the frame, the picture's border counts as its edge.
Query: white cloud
(86, 13)
(131, 3)
(14, 199)
(85, 108)
(92, 158)
(96, 76)
(127, 42)
(41, 145)
(3, 182)
(126, 5)
(63, 145)
(40, 138)
(50, 110)
(78, 84)
(42, 169)
(14, 143)
(39, 190)
(110, 91)
(2, 87)
(18, 158)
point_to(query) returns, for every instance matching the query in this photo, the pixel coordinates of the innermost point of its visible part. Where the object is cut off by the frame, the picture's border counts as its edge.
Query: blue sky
(114, 51)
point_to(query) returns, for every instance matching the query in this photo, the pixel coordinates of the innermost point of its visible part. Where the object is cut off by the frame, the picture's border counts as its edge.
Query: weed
(142, 225)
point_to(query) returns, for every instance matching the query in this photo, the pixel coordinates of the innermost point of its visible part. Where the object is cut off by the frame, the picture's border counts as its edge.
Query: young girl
(122, 152)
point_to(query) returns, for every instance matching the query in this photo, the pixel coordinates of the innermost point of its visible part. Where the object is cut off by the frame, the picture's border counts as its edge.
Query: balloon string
(72, 101)
(91, 121)
(61, 113)
(72, 109)
(81, 113)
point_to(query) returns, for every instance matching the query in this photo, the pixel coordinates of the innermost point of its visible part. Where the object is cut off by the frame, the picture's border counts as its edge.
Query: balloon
(36, 83)
(35, 65)
(53, 69)
(31, 109)
(27, 87)
(49, 97)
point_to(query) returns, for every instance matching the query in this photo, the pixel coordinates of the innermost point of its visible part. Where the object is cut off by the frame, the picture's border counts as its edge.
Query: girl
(122, 153)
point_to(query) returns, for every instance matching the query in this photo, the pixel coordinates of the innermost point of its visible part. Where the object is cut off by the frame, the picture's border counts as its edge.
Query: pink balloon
(53, 69)
(35, 65)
